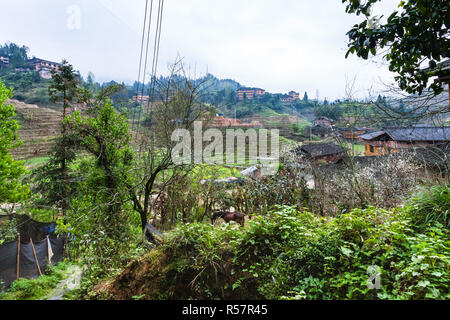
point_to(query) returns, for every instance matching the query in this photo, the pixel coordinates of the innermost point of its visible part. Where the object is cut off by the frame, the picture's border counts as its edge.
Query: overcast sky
(278, 45)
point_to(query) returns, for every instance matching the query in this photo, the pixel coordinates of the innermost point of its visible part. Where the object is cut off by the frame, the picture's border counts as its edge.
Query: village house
(323, 122)
(328, 152)
(286, 98)
(250, 93)
(322, 127)
(290, 97)
(4, 62)
(294, 95)
(354, 133)
(222, 122)
(43, 67)
(140, 98)
(392, 140)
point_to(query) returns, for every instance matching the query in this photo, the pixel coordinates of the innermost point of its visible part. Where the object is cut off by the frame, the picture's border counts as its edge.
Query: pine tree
(53, 180)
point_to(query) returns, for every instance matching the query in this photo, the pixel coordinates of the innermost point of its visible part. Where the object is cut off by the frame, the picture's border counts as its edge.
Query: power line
(155, 59)
(156, 55)
(145, 64)
(144, 27)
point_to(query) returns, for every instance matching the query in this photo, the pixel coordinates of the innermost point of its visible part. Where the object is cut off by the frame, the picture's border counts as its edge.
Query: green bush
(8, 231)
(430, 206)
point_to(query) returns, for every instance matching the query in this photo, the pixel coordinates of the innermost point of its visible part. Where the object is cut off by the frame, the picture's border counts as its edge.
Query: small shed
(251, 172)
(328, 152)
(323, 122)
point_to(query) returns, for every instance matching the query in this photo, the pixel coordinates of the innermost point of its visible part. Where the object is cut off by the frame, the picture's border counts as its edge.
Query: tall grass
(431, 205)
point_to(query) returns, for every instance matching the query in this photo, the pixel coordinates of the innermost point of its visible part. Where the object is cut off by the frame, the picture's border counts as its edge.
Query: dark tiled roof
(372, 135)
(356, 129)
(324, 118)
(442, 66)
(420, 134)
(437, 156)
(321, 149)
(412, 134)
(253, 89)
(37, 60)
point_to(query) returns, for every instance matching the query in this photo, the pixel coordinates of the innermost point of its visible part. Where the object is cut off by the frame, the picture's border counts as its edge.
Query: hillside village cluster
(245, 93)
(376, 142)
(43, 67)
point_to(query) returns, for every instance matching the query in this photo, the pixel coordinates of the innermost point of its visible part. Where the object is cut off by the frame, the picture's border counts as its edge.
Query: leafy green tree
(11, 188)
(102, 193)
(334, 112)
(18, 56)
(415, 33)
(104, 134)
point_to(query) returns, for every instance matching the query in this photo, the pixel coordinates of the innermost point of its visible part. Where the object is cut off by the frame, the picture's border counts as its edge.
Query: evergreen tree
(54, 180)
(305, 97)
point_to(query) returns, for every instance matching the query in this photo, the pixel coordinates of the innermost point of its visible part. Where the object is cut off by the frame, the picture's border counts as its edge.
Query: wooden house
(323, 122)
(43, 67)
(250, 93)
(4, 62)
(328, 152)
(353, 133)
(140, 98)
(294, 95)
(391, 140)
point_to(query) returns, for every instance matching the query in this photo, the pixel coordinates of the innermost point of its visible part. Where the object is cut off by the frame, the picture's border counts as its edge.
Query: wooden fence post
(35, 257)
(18, 258)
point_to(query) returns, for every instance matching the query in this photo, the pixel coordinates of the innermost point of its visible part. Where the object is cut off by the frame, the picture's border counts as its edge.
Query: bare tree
(177, 107)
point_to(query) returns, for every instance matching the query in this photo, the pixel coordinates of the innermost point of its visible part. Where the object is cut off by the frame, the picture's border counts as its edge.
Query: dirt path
(71, 283)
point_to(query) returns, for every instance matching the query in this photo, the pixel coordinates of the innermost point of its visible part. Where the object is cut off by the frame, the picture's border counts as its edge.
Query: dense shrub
(293, 254)
(8, 231)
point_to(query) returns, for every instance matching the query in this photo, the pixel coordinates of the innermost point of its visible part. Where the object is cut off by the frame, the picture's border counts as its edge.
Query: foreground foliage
(403, 36)
(36, 289)
(293, 254)
(11, 171)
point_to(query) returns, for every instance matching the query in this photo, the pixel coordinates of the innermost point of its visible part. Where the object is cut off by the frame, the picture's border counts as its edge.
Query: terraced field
(282, 123)
(38, 128)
